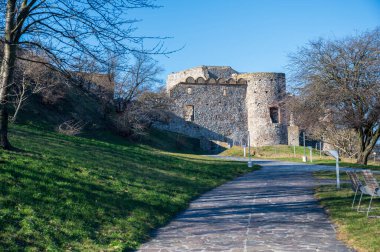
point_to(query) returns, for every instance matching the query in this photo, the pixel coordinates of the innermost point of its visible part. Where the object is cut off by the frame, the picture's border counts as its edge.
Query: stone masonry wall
(175, 78)
(219, 111)
(214, 108)
(205, 72)
(266, 91)
(293, 135)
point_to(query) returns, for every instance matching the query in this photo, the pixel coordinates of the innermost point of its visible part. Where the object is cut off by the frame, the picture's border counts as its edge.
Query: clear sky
(250, 35)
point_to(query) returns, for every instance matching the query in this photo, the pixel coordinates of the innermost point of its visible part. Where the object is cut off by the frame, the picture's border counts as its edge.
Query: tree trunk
(7, 71)
(4, 142)
(368, 140)
(363, 157)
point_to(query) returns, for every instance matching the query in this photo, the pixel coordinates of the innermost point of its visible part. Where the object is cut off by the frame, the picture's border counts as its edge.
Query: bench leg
(369, 209)
(360, 200)
(353, 202)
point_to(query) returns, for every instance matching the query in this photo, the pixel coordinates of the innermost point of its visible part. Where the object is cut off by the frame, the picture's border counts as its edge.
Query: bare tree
(141, 76)
(141, 113)
(32, 78)
(339, 82)
(60, 31)
(318, 125)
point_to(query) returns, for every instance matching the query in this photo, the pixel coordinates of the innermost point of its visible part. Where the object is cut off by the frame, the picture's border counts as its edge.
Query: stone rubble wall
(216, 117)
(206, 72)
(178, 77)
(293, 135)
(266, 90)
(228, 118)
(220, 72)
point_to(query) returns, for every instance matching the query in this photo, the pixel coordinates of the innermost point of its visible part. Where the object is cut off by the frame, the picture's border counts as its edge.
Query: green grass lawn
(286, 153)
(95, 192)
(354, 228)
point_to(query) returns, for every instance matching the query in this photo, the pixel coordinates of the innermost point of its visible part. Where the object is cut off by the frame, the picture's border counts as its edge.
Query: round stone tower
(267, 121)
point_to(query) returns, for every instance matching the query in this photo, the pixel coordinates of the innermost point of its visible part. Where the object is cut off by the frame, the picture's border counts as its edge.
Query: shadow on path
(272, 209)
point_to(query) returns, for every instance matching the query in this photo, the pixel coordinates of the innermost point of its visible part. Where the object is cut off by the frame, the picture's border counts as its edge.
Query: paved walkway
(272, 209)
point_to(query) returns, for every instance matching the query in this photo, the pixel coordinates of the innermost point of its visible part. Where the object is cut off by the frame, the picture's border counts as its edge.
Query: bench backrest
(370, 180)
(355, 181)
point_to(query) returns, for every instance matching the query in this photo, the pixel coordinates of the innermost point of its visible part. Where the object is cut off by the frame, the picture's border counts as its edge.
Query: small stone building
(224, 107)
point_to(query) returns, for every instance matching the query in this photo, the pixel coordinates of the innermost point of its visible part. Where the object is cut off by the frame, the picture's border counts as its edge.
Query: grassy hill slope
(95, 192)
(74, 104)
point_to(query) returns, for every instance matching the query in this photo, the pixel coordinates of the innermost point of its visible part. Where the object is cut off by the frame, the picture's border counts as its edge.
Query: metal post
(304, 144)
(294, 151)
(275, 151)
(320, 150)
(335, 154)
(311, 154)
(304, 157)
(337, 173)
(249, 151)
(249, 147)
(245, 152)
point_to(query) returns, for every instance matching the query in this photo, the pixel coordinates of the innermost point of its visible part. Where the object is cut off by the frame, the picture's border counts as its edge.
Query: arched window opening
(224, 92)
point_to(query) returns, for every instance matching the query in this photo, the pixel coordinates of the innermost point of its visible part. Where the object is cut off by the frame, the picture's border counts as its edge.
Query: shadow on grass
(78, 193)
(354, 227)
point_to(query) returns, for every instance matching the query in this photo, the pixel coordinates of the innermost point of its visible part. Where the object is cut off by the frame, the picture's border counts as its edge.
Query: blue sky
(250, 35)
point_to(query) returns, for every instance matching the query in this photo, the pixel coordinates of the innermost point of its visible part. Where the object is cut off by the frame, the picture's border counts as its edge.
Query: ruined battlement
(205, 72)
(220, 75)
(201, 80)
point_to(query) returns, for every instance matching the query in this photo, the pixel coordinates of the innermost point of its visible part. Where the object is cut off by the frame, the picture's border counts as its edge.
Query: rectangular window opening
(189, 113)
(274, 116)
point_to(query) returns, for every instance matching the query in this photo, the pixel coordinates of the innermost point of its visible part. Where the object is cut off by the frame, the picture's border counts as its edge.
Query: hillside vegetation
(71, 103)
(95, 192)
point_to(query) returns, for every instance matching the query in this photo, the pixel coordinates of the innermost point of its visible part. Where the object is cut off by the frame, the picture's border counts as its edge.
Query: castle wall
(293, 135)
(178, 77)
(267, 121)
(293, 132)
(205, 72)
(223, 105)
(219, 111)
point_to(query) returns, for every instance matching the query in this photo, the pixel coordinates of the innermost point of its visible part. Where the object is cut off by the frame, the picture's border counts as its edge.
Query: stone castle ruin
(221, 106)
